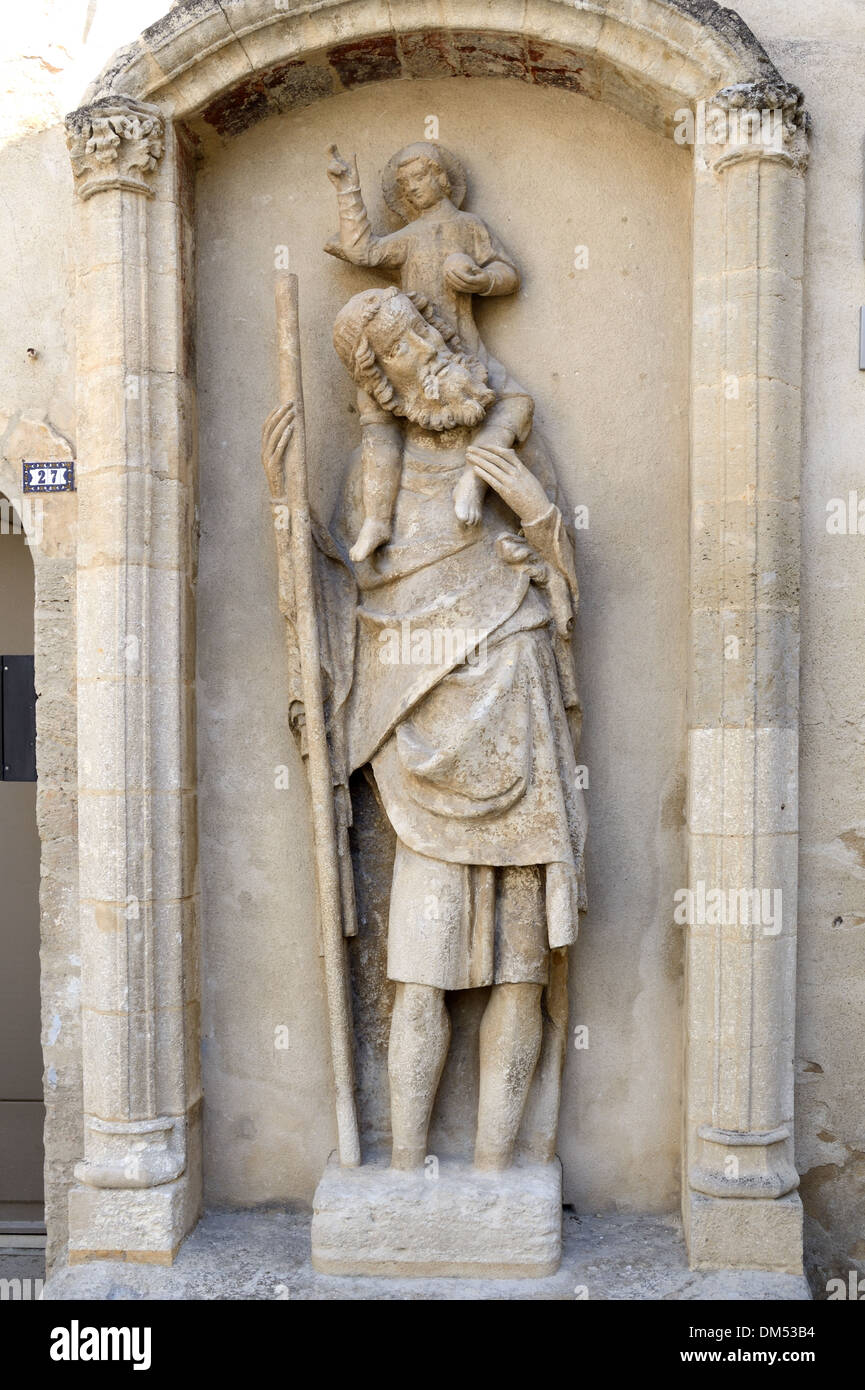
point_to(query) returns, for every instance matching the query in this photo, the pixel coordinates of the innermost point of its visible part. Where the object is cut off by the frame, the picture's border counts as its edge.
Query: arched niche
(223, 67)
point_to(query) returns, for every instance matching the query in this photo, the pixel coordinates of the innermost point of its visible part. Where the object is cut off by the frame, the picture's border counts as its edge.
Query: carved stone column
(741, 1207)
(138, 1189)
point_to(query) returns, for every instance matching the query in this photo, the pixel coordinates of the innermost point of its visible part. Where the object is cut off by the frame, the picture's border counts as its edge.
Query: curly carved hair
(363, 364)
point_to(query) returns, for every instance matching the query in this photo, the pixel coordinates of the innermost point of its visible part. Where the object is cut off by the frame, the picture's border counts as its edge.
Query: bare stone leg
(510, 1042)
(420, 1032)
(469, 497)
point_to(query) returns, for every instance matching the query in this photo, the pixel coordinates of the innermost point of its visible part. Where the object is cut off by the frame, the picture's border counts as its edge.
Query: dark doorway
(21, 1100)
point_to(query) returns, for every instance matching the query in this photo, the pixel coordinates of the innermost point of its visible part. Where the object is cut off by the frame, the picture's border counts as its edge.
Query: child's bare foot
(469, 497)
(372, 535)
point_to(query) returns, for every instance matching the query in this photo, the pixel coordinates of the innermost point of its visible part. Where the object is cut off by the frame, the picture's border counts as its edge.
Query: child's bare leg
(469, 497)
(509, 420)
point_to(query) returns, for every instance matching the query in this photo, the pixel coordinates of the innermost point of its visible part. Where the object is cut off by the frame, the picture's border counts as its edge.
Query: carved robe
(461, 678)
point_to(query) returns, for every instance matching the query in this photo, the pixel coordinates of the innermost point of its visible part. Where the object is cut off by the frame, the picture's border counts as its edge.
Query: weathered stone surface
(265, 1255)
(447, 1219)
(745, 1233)
(144, 1226)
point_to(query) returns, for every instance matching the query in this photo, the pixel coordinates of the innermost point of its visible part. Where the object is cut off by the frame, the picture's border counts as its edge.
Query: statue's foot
(372, 535)
(469, 498)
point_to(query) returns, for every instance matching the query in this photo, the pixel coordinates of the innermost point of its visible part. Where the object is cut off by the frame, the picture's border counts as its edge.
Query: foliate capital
(116, 142)
(768, 119)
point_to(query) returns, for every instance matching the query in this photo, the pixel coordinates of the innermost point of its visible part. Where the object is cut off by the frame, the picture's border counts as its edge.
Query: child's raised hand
(342, 174)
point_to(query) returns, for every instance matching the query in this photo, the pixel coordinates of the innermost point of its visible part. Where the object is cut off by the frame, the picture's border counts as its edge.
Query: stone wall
(37, 420)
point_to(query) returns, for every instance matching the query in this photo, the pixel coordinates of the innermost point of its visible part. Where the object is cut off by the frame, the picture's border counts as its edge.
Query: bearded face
(425, 380)
(447, 394)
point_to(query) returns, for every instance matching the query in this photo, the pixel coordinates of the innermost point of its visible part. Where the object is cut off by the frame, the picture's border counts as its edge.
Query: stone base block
(449, 1220)
(745, 1233)
(143, 1225)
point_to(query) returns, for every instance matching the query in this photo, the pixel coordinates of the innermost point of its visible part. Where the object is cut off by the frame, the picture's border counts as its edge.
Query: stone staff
(300, 553)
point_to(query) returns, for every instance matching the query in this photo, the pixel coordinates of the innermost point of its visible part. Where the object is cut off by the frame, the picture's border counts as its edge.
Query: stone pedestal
(745, 1233)
(144, 1225)
(448, 1219)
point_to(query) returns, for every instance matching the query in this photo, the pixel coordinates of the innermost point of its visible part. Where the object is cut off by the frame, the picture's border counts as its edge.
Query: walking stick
(327, 859)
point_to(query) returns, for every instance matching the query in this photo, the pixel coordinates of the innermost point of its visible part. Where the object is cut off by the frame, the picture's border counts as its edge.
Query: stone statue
(450, 675)
(443, 256)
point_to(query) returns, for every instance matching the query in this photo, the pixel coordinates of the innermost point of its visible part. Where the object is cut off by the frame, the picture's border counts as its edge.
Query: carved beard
(452, 396)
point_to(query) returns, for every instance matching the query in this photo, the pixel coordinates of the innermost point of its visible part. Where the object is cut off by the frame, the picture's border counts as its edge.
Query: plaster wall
(605, 351)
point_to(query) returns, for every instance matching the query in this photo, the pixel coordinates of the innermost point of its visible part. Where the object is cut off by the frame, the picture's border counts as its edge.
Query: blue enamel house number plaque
(49, 477)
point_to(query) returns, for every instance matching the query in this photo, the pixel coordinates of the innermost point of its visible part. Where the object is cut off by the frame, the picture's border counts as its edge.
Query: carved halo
(422, 149)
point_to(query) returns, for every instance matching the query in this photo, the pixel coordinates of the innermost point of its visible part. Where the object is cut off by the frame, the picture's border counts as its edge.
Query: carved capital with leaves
(116, 142)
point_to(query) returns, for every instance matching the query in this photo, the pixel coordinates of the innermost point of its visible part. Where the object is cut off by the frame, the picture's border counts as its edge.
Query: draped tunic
(461, 677)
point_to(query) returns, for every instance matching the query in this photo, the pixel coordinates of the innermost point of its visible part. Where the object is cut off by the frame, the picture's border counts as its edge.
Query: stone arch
(237, 62)
(227, 65)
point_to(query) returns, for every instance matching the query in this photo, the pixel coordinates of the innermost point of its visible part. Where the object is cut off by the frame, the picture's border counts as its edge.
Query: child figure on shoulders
(442, 257)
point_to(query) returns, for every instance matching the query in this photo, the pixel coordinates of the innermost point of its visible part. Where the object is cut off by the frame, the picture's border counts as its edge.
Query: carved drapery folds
(116, 142)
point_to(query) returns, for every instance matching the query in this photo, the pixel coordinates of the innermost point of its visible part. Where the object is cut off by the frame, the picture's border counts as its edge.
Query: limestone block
(372, 1220)
(709, 248)
(752, 680)
(749, 861)
(745, 1233)
(781, 244)
(743, 781)
(128, 516)
(743, 211)
(762, 427)
(779, 354)
(175, 844)
(706, 450)
(741, 423)
(179, 37)
(169, 1030)
(142, 1225)
(112, 850)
